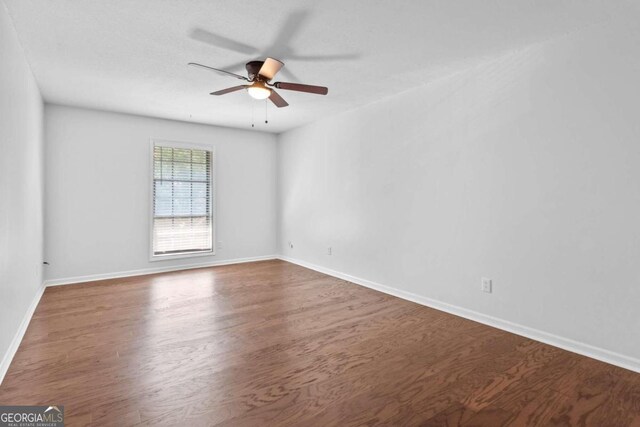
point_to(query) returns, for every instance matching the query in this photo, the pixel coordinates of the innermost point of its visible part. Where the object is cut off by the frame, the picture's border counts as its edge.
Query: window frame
(157, 142)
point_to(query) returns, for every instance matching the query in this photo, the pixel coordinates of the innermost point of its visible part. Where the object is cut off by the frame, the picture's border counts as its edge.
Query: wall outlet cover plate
(486, 285)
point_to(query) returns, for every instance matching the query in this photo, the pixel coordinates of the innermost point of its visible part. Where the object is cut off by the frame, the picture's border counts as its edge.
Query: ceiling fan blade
(237, 76)
(270, 68)
(319, 90)
(277, 99)
(229, 90)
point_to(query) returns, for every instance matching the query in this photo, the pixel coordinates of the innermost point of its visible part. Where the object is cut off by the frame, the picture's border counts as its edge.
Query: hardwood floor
(271, 343)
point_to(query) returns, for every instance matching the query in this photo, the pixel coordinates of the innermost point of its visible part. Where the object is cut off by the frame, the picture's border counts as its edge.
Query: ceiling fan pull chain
(265, 112)
(252, 115)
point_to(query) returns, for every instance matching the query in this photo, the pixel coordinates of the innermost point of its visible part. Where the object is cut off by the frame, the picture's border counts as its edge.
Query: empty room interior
(319, 213)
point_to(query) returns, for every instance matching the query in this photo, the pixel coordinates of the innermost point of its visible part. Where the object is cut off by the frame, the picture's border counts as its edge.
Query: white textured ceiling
(131, 55)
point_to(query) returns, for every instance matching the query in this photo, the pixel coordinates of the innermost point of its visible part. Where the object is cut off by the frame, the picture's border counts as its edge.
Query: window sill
(155, 258)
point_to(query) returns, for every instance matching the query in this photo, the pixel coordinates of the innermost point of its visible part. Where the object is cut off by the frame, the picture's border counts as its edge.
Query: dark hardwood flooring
(271, 343)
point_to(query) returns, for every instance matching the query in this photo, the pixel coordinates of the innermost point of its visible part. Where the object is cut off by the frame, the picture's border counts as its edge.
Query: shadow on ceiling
(280, 48)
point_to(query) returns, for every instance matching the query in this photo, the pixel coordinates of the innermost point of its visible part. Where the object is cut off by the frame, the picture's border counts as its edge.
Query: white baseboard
(601, 354)
(593, 352)
(144, 271)
(17, 338)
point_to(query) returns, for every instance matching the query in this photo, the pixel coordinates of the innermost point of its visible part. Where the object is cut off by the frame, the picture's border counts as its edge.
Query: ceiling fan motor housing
(253, 68)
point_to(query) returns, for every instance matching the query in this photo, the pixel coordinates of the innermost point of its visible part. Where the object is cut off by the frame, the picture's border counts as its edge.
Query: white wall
(98, 183)
(524, 169)
(21, 151)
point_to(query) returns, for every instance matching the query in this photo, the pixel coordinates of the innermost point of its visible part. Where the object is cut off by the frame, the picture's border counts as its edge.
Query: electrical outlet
(486, 285)
(329, 251)
(219, 244)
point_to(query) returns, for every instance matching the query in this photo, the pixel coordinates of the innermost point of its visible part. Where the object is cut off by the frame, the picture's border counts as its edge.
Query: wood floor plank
(272, 343)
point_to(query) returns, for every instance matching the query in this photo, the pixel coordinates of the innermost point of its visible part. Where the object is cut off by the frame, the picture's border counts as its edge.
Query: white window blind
(182, 200)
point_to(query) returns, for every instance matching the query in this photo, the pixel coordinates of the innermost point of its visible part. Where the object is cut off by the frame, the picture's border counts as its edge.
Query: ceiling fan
(260, 74)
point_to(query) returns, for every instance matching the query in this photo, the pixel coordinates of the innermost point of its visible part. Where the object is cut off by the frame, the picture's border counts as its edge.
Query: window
(182, 200)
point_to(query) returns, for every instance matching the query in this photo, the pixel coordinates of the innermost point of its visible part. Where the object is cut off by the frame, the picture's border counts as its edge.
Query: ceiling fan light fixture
(258, 90)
